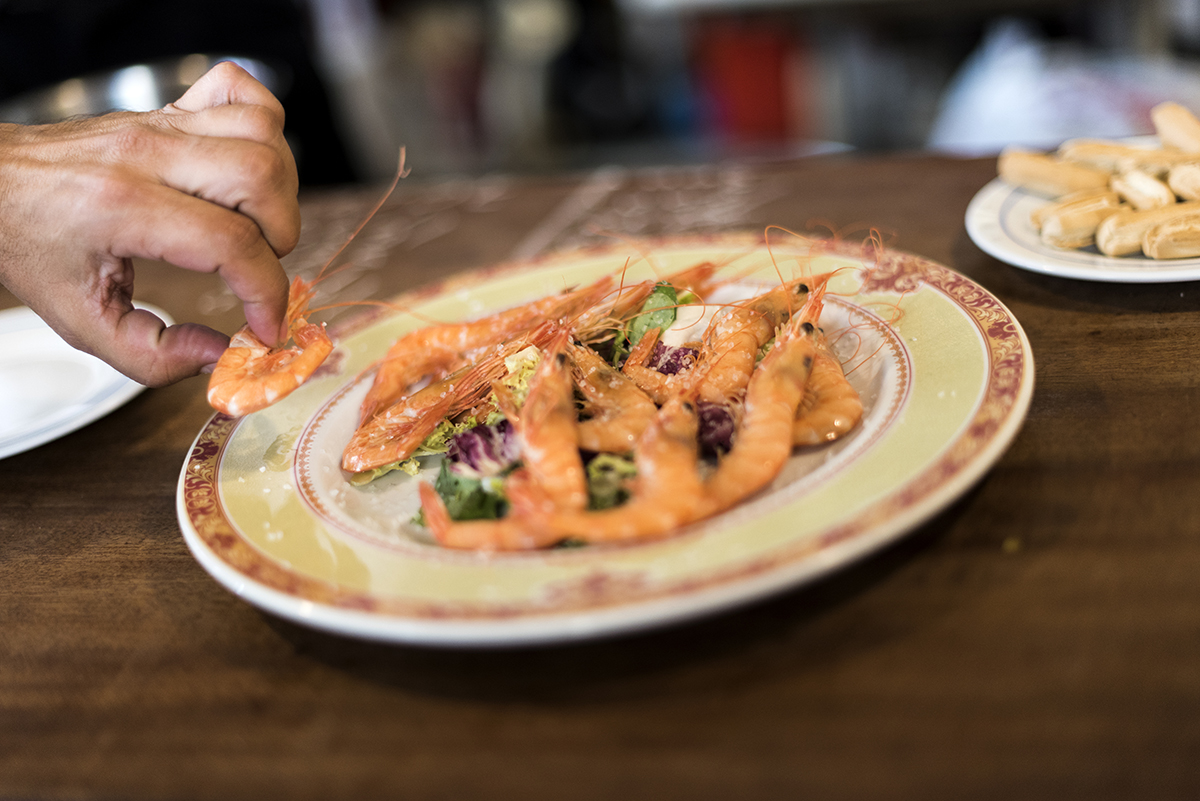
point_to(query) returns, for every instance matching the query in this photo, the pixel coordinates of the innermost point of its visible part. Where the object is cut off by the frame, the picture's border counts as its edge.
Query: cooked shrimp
(659, 386)
(667, 493)
(763, 443)
(618, 412)
(597, 324)
(735, 338)
(510, 533)
(250, 375)
(545, 426)
(394, 434)
(831, 408)
(434, 349)
(699, 279)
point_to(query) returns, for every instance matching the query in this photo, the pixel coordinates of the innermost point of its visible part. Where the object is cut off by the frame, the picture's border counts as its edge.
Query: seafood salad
(609, 413)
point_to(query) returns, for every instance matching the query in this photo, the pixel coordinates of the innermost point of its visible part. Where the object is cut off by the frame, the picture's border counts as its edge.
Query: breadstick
(1104, 154)
(1178, 238)
(1184, 180)
(1176, 126)
(1047, 175)
(1038, 216)
(1122, 233)
(1142, 190)
(1072, 223)
(1155, 162)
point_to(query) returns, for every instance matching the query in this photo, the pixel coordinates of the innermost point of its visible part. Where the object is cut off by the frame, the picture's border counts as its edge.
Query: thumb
(227, 84)
(150, 352)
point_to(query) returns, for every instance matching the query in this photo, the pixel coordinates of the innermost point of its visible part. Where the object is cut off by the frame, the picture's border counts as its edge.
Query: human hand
(208, 183)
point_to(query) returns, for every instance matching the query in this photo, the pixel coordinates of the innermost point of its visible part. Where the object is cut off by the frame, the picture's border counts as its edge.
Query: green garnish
(470, 498)
(607, 476)
(658, 311)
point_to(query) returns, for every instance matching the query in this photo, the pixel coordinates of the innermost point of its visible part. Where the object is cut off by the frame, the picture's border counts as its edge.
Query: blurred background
(472, 86)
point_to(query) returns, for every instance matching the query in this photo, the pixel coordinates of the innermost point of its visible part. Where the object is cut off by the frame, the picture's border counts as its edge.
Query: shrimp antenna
(771, 253)
(401, 172)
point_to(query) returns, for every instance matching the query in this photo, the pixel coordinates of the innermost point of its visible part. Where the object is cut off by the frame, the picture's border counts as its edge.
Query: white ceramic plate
(266, 510)
(49, 389)
(998, 222)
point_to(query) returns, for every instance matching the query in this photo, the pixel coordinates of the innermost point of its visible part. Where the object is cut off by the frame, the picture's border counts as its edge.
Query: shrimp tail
(437, 517)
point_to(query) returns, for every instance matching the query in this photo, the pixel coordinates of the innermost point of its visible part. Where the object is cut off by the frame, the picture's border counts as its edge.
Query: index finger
(197, 235)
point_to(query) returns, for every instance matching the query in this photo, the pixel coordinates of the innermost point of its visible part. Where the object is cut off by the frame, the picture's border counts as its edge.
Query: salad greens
(608, 475)
(658, 311)
(469, 498)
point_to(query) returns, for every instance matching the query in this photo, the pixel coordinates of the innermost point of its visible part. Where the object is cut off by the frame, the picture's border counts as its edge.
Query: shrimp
(394, 434)
(618, 411)
(667, 493)
(698, 279)
(734, 339)
(763, 441)
(659, 386)
(545, 426)
(596, 324)
(510, 533)
(831, 408)
(434, 349)
(250, 376)
(552, 474)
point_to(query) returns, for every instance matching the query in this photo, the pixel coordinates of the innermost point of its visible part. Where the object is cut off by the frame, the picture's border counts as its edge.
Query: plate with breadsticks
(1125, 211)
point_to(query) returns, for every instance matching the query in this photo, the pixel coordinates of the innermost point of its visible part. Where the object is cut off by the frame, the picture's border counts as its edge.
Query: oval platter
(944, 370)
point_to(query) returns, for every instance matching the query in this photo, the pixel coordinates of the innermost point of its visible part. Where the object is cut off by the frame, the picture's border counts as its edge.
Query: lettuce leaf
(469, 498)
(608, 476)
(521, 367)
(658, 311)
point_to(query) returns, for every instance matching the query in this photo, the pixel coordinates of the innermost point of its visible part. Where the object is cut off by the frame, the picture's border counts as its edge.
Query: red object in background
(748, 68)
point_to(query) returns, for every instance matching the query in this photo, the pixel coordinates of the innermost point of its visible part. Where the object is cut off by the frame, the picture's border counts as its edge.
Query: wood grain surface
(1038, 639)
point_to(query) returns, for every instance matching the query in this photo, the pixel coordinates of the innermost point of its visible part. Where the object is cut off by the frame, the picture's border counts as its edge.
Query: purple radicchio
(484, 451)
(671, 360)
(716, 428)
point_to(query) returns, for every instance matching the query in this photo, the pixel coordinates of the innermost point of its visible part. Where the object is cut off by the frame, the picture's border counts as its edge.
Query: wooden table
(1038, 639)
